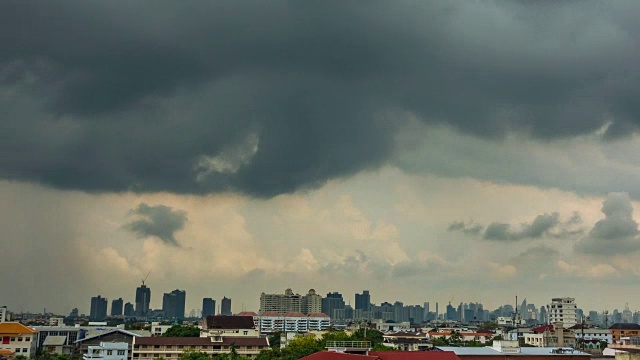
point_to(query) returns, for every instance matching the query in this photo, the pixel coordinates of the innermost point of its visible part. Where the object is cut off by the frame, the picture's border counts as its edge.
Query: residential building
(157, 329)
(17, 338)
(554, 335)
(504, 349)
(56, 321)
(143, 298)
(152, 348)
(292, 322)
(287, 302)
(223, 326)
(208, 307)
(225, 308)
(620, 330)
(173, 304)
(4, 314)
(70, 334)
(311, 303)
(98, 308)
(57, 345)
(116, 307)
(562, 310)
(107, 351)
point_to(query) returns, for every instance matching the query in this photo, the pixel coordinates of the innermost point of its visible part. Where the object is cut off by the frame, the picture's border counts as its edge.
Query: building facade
(116, 307)
(173, 304)
(225, 307)
(17, 338)
(287, 302)
(562, 310)
(143, 298)
(98, 308)
(107, 351)
(311, 303)
(152, 348)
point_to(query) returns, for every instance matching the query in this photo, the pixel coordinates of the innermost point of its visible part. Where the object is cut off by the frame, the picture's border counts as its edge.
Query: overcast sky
(424, 150)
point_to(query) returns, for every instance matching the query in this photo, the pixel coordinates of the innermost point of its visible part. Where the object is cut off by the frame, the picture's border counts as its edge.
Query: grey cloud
(617, 233)
(159, 221)
(268, 98)
(471, 229)
(542, 225)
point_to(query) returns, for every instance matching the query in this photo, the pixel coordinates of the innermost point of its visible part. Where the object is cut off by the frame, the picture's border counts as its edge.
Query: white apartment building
(17, 338)
(107, 351)
(591, 335)
(562, 310)
(292, 322)
(4, 314)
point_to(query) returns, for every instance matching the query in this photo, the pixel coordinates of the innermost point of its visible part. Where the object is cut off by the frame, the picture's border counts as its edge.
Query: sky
(441, 151)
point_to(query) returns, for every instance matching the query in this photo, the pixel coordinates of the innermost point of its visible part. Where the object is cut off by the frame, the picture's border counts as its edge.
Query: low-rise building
(107, 351)
(506, 349)
(19, 339)
(111, 335)
(150, 348)
(620, 330)
(57, 345)
(554, 335)
(223, 326)
(292, 322)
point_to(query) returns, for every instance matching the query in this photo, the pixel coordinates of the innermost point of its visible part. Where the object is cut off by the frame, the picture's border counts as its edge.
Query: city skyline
(427, 151)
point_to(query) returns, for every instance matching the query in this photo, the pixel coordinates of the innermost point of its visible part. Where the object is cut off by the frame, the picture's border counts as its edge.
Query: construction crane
(145, 278)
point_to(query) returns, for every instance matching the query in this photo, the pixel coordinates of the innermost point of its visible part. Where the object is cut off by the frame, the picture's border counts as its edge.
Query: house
(149, 348)
(407, 341)
(107, 351)
(19, 339)
(111, 335)
(554, 335)
(620, 330)
(57, 345)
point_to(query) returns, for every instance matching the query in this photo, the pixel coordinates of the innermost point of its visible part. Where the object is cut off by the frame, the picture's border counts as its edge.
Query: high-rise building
(143, 298)
(116, 307)
(311, 303)
(282, 303)
(332, 302)
(128, 309)
(208, 307)
(98, 308)
(74, 313)
(173, 304)
(451, 313)
(363, 301)
(225, 307)
(562, 310)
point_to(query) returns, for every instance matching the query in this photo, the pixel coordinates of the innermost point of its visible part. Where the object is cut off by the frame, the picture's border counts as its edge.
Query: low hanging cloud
(617, 233)
(545, 225)
(158, 221)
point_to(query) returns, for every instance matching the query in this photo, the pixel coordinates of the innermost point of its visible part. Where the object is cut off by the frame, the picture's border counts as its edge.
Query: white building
(108, 351)
(562, 310)
(158, 330)
(4, 314)
(287, 302)
(56, 321)
(293, 322)
(17, 338)
(594, 335)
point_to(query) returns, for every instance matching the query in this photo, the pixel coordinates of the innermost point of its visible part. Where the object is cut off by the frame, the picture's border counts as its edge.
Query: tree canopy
(182, 331)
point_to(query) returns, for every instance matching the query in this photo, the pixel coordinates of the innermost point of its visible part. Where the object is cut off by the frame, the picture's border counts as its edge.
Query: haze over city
(426, 151)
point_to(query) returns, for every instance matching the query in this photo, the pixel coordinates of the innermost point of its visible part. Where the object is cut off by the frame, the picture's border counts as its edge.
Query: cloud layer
(159, 221)
(266, 99)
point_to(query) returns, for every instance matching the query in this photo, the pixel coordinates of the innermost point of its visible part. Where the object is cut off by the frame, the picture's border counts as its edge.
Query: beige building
(152, 348)
(287, 302)
(554, 335)
(311, 303)
(562, 310)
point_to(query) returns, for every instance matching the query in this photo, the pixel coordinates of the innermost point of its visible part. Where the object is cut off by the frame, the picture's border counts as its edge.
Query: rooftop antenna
(145, 278)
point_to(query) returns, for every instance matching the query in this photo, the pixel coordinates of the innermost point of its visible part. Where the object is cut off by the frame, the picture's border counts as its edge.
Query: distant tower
(116, 307)
(173, 304)
(98, 308)
(226, 307)
(208, 307)
(128, 309)
(143, 298)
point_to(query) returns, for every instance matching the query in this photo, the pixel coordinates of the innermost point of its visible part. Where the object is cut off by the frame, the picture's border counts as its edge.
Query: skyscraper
(363, 301)
(143, 298)
(128, 309)
(98, 308)
(173, 304)
(116, 307)
(332, 302)
(226, 307)
(311, 303)
(208, 307)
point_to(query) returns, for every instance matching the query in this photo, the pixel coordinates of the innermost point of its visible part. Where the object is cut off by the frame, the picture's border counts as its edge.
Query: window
(25, 350)
(180, 346)
(20, 338)
(13, 339)
(169, 347)
(17, 349)
(120, 352)
(27, 339)
(245, 333)
(156, 346)
(109, 352)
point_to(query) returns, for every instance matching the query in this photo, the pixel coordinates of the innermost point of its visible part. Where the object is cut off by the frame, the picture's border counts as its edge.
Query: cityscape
(320, 180)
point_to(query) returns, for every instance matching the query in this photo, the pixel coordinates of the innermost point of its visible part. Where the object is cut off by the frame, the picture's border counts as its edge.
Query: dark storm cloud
(269, 97)
(472, 229)
(159, 221)
(617, 233)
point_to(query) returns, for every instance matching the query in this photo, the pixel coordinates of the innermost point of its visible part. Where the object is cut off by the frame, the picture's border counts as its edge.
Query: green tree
(193, 355)
(274, 340)
(302, 346)
(20, 357)
(182, 331)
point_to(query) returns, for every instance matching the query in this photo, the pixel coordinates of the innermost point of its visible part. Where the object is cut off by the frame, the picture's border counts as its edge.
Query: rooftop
(229, 340)
(229, 322)
(15, 328)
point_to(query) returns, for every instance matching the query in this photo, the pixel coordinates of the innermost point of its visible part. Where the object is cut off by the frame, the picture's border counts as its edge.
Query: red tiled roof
(323, 315)
(229, 322)
(294, 314)
(247, 313)
(271, 313)
(332, 355)
(415, 355)
(15, 328)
